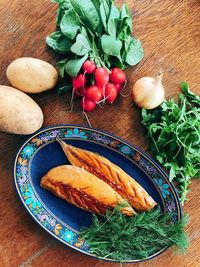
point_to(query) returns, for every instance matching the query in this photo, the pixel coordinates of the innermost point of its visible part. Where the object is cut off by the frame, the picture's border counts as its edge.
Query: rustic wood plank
(64, 256)
(169, 31)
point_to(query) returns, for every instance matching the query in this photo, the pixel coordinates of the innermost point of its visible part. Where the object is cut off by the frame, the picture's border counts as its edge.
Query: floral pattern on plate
(36, 208)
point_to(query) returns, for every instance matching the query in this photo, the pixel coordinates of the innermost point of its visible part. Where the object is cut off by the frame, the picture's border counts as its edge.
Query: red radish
(110, 92)
(89, 66)
(80, 92)
(87, 104)
(79, 81)
(117, 75)
(101, 76)
(118, 87)
(94, 93)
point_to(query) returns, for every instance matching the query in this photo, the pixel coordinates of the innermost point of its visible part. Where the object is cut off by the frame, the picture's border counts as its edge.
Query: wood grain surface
(170, 33)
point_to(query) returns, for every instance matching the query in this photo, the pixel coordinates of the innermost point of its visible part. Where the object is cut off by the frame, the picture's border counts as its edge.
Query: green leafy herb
(73, 66)
(87, 12)
(123, 238)
(97, 28)
(130, 56)
(61, 66)
(174, 133)
(70, 24)
(58, 42)
(82, 45)
(104, 13)
(193, 98)
(113, 20)
(126, 20)
(111, 45)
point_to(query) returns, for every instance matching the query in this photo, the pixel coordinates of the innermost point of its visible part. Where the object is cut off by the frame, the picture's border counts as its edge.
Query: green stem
(100, 62)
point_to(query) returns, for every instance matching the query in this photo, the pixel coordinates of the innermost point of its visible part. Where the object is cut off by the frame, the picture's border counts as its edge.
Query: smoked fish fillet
(111, 174)
(84, 190)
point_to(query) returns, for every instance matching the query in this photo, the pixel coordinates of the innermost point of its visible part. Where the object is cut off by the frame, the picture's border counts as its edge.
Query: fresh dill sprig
(124, 238)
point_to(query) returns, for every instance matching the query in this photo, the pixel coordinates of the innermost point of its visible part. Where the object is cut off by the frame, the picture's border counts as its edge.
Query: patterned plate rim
(73, 131)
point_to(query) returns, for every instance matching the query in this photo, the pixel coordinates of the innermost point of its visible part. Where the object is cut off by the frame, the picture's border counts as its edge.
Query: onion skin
(148, 92)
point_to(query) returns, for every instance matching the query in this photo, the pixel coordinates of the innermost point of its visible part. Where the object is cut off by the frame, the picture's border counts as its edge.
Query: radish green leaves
(96, 29)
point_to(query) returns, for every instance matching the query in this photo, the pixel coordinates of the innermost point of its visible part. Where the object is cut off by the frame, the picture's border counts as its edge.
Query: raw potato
(32, 75)
(19, 114)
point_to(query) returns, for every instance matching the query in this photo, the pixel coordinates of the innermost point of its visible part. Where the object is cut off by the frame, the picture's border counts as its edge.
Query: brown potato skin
(32, 75)
(19, 114)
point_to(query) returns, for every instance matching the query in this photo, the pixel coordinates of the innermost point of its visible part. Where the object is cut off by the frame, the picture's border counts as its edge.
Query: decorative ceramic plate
(62, 220)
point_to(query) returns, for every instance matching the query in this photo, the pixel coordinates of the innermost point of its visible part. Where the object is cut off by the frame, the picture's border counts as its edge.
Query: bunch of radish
(97, 85)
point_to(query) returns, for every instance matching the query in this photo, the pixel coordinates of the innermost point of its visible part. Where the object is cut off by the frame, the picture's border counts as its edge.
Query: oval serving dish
(62, 220)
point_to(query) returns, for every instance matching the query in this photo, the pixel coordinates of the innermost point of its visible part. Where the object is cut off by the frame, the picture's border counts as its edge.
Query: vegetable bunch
(174, 133)
(95, 30)
(96, 37)
(126, 238)
(95, 88)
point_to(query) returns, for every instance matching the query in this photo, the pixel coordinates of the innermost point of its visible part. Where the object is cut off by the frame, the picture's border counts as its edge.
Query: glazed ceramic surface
(61, 219)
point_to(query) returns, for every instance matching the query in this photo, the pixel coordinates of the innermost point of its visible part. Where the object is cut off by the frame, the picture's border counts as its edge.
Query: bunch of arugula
(174, 134)
(126, 238)
(94, 29)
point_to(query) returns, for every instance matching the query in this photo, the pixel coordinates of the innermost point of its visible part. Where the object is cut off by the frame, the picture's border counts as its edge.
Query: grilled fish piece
(111, 174)
(84, 190)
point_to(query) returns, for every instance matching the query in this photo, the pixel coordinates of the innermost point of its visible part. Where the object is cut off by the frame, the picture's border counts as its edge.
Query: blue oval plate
(62, 220)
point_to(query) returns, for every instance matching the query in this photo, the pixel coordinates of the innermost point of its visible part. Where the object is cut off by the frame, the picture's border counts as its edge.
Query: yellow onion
(148, 92)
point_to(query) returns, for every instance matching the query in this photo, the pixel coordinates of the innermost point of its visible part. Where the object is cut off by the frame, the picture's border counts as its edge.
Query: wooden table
(170, 33)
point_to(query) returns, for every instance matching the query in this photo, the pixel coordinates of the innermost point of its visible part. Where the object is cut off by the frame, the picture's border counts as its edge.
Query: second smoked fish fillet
(110, 173)
(83, 189)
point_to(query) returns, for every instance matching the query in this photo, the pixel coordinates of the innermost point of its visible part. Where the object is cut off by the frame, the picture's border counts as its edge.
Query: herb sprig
(97, 30)
(123, 238)
(174, 133)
